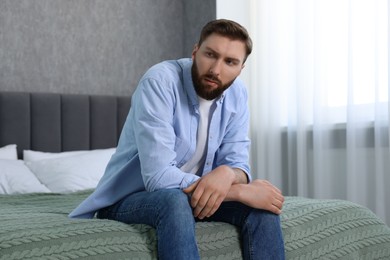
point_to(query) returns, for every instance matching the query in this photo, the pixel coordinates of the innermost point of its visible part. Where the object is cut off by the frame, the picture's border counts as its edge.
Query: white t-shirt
(197, 161)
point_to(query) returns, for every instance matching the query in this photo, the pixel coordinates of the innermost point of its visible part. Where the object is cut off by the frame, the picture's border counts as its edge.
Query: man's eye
(230, 62)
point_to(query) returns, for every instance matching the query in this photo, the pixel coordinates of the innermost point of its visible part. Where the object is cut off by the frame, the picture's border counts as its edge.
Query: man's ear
(196, 48)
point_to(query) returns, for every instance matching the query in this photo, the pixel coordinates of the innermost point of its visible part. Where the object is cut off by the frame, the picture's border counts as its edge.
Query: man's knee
(266, 219)
(175, 210)
(174, 199)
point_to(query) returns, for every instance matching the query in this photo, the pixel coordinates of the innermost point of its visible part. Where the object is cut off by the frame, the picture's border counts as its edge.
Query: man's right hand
(210, 191)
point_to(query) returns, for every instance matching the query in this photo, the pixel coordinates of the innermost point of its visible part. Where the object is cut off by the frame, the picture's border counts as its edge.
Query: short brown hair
(227, 28)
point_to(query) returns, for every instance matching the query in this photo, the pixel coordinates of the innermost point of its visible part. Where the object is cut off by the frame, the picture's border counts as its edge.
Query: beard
(204, 90)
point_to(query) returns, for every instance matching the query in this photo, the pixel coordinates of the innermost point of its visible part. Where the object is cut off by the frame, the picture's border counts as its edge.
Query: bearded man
(183, 154)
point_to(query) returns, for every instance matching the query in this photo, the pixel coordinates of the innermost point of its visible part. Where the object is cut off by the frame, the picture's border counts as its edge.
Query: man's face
(217, 63)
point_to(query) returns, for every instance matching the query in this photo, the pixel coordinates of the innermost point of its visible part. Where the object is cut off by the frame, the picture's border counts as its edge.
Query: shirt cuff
(188, 180)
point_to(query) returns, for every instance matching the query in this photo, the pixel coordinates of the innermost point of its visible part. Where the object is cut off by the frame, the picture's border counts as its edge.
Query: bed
(48, 144)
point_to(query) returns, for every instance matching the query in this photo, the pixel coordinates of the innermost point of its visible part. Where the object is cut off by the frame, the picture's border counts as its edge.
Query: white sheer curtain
(318, 84)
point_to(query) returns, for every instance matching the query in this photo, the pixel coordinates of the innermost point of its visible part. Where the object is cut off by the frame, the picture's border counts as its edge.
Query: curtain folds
(319, 98)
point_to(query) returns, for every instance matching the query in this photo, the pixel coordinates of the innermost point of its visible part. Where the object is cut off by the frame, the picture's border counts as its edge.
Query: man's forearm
(234, 192)
(240, 176)
(241, 179)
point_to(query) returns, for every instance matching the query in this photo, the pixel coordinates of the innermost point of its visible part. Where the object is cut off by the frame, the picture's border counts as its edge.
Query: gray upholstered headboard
(61, 122)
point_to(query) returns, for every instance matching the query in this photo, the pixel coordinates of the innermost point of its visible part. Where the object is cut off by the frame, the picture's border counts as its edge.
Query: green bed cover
(36, 226)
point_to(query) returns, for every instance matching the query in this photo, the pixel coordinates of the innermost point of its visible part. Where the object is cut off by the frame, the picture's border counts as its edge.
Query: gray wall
(93, 46)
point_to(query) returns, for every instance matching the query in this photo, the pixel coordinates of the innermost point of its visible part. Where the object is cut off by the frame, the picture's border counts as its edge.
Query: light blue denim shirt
(160, 132)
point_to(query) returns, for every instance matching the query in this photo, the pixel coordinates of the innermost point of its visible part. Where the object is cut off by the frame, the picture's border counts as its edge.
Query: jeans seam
(249, 236)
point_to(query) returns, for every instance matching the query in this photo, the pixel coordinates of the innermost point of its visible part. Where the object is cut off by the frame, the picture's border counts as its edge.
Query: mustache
(212, 77)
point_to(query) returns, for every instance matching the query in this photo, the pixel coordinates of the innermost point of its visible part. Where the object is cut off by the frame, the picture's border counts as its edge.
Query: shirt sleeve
(153, 109)
(234, 149)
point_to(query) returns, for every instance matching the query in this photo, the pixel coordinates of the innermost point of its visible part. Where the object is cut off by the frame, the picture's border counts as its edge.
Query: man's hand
(259, 194)
(210, 191)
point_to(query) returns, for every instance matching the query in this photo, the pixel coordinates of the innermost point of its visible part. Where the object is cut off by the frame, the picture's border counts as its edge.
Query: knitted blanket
(36, 226)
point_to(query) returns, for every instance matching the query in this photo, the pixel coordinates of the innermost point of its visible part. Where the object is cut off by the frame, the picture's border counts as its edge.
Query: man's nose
(216, 67)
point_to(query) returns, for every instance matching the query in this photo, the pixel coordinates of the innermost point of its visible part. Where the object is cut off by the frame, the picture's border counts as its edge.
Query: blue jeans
(170, 213)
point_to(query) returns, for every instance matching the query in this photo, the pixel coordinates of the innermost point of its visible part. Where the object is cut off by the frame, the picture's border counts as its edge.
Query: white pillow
(16, 178)
(73, 173)
(9, 152)
(30, 155)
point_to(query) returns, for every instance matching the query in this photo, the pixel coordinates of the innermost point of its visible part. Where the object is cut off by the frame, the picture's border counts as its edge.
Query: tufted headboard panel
(61, 122)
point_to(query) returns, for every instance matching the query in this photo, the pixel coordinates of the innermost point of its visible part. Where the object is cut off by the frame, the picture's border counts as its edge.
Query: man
(183, 154)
